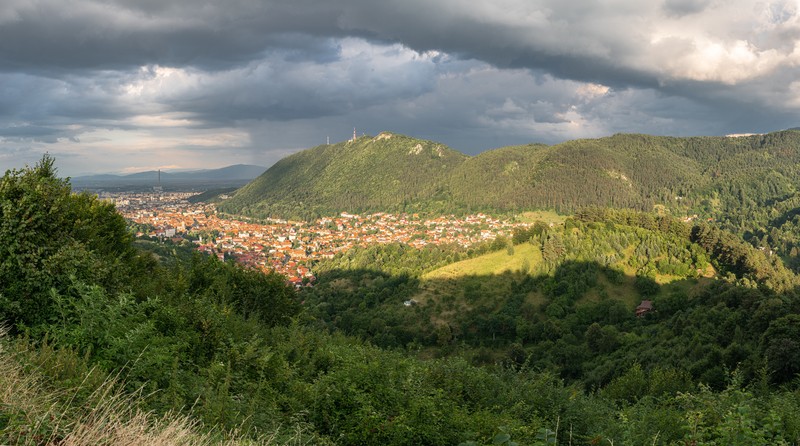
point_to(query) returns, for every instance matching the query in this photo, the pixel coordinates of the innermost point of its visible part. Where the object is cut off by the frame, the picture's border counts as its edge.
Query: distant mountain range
(236, 175)
(392, 172)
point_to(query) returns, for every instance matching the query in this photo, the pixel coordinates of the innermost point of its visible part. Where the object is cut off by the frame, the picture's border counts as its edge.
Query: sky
(130, 85)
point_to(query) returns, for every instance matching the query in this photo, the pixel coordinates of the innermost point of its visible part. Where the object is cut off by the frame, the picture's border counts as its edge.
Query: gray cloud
(56, 35)
(681, 8)
(31, 133)
(590, 43)
(259, 79)
(279, 87)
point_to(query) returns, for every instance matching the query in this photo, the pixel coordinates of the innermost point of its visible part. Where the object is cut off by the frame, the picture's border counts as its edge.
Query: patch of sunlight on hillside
(544, 216)
(492, 263)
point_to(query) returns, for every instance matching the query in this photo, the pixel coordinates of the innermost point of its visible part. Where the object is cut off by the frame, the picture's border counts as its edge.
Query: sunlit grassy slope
(526, 258)
(491, 263)
(490, 267)
(548, 217)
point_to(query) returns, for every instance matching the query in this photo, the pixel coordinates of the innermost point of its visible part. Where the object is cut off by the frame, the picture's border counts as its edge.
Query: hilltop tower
(354, 134)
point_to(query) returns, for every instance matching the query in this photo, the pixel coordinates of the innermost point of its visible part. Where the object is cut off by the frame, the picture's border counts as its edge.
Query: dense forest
(103, 334)
(569, 306)
(713, 177)
(388, 172)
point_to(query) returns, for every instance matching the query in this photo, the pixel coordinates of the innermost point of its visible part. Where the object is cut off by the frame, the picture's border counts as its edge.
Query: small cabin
(645, 307)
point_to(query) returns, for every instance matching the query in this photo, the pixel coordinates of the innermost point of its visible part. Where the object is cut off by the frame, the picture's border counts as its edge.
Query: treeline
(768, 224)
(399, 259)
(664, 224)
(751, 266)
(714, 177)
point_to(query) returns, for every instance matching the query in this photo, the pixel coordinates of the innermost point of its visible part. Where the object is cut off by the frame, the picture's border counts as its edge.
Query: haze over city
(125, 86)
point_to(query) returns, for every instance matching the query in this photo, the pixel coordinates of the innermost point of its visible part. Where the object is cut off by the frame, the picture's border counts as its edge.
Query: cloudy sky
(131, 85)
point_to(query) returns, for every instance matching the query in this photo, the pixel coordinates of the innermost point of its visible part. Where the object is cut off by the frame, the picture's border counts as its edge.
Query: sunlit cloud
(110, 85)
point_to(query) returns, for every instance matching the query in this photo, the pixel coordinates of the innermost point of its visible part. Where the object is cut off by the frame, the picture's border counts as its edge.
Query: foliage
(399, 259)
(548, 354)
(89, 408)
(394, 173)
(47, 234)
(714, 177)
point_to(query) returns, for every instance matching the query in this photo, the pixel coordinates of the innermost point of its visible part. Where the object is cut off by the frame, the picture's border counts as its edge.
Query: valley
(620, 322)
(357, 223)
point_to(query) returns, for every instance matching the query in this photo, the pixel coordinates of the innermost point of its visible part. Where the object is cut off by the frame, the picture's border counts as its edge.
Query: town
(292, 248)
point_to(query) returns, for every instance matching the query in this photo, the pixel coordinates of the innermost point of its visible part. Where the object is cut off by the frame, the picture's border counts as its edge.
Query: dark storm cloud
(590, 42)
(31, 133)
(51, 35)
(54, 35)
(271, 75)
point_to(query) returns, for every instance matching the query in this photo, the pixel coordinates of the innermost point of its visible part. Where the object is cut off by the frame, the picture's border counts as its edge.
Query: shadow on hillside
(469, 298)
(561, 321)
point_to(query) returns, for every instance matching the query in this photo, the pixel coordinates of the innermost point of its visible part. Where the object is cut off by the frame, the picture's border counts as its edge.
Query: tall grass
(93, 412)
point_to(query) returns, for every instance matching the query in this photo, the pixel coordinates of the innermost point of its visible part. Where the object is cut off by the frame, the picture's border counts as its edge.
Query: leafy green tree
(781, 347)
(552, 249)
(47, 235)
(646, 286)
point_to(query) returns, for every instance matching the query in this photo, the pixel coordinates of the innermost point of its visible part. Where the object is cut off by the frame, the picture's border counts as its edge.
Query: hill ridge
(236, 174)
(395, 172)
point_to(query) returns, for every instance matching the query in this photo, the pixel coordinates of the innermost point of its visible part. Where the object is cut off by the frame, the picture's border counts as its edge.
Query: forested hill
(387, 172)
(705, 175)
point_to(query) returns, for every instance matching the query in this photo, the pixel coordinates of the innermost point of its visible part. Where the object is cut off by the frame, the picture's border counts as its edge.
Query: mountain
(390, 172)
(387, 172)
(621, 171)
(235, 175)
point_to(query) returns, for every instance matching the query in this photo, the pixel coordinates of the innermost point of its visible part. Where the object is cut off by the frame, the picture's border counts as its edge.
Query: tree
(50, 236)
(780, 345)
(552, 249)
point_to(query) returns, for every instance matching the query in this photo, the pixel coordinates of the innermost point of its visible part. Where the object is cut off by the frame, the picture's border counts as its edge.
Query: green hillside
(508, 172)
(542, 276)
(520, 257)
(620, 171)
(564, 298)
(388, 172)
(108, 344)
(711, 176)
(639, 171)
